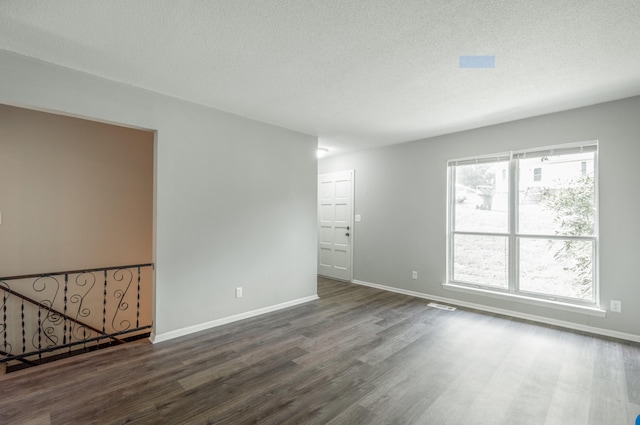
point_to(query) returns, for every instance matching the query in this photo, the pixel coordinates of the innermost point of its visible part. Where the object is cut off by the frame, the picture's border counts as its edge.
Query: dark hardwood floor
(356, 356)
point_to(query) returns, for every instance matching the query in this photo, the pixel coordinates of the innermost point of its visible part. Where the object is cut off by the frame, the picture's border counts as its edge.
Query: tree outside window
(550, 252)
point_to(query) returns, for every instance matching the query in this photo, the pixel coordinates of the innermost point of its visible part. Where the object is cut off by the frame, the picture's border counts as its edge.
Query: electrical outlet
(239, 292)
(414, 275)
(615, 306)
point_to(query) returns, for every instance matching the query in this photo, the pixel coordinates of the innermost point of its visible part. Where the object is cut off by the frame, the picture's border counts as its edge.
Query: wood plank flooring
(356, 356)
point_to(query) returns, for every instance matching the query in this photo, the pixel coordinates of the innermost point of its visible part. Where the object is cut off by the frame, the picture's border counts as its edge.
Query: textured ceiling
(356, 73)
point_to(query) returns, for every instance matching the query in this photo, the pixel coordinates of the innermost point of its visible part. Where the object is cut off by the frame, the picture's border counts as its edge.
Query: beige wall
(74, 193)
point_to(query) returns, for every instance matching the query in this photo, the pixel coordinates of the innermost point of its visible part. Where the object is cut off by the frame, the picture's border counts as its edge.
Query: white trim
(562, 149)
(508, 296)
(229, 319)
(480, 159)
(335, 278)
(510, 313)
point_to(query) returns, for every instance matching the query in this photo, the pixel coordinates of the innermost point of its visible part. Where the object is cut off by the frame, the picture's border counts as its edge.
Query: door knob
(346, 234)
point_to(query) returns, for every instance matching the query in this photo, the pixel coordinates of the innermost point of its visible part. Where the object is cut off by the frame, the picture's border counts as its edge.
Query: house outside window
(537, 174)
(533, 234)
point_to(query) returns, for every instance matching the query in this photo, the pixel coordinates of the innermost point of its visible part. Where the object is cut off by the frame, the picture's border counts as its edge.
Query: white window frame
(513, 292)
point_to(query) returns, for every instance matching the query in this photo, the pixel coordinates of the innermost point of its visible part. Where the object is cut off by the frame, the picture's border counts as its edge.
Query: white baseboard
(229, 319)
(511, 313)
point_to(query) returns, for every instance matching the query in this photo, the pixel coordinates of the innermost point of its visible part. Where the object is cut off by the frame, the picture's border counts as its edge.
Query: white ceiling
(356, 73)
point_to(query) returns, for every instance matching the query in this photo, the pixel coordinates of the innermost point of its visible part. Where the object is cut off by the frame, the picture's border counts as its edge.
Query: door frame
(351, 227)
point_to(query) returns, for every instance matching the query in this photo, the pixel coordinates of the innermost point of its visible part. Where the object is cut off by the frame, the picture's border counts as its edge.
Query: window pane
(556, 195)
(557, 267)
(481, 259)
(481, 197)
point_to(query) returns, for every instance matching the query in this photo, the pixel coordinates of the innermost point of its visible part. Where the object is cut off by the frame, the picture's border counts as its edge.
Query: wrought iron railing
(52, 315)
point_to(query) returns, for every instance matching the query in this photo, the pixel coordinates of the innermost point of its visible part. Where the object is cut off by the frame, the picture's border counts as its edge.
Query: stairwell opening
(75, 195)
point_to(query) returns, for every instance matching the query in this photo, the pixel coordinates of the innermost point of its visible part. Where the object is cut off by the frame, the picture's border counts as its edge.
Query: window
(537, 174)
(525, 235)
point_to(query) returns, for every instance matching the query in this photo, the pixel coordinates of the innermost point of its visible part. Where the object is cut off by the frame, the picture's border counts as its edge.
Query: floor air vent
(441, 306)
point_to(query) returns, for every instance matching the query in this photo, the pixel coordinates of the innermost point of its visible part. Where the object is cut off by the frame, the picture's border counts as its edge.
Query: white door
(335, 229)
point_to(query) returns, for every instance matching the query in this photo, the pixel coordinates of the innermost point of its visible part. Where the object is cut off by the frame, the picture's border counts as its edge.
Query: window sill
(591, 311)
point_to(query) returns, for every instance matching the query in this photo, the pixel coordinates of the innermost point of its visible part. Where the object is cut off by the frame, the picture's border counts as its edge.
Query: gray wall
(400, 191)
(235, 200)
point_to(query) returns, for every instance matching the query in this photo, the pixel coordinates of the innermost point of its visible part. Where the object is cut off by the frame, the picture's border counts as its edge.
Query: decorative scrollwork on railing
(121, 275)
(85, 283)
(47, 326)
(56, 311)
(40, 285)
